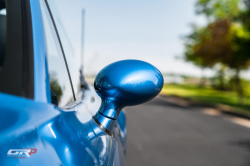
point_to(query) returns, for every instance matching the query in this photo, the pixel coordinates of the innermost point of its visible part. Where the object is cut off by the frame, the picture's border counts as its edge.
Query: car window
(16, 61)
(73, 60)
(59, 78)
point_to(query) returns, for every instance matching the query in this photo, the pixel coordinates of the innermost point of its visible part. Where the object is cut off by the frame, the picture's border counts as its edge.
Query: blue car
(49, 114)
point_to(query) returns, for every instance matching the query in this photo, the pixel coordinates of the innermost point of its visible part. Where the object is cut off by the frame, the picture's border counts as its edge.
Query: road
(167, 134)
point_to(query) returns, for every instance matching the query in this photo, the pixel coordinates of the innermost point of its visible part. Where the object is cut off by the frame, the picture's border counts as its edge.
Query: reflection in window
(59, 79)
(73, 60)
(54, 85)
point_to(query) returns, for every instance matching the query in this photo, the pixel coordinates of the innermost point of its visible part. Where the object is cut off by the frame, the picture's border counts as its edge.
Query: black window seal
(28, 50)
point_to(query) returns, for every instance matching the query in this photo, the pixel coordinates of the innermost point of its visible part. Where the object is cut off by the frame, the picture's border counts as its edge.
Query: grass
(207, 95)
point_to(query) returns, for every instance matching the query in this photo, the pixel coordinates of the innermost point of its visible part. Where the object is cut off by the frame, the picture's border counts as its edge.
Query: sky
(148, 30)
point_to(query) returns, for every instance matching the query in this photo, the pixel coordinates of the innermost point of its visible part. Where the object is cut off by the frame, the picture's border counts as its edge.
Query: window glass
(59, 79)
(72, 58)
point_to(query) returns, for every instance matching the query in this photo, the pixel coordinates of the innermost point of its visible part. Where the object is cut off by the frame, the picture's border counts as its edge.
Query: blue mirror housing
(124, 83)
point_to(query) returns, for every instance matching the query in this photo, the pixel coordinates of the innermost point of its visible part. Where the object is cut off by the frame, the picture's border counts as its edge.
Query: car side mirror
(124, 83)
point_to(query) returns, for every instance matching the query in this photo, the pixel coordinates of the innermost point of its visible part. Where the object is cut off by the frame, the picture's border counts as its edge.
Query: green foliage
(220, 42)
(207, 95)
(225, 40)
(218, 9)
(209, 45)
(240, 42)
(192, 43)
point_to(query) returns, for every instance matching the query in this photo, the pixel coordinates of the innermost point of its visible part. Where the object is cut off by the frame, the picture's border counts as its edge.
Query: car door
(36, 131)
(80, 97)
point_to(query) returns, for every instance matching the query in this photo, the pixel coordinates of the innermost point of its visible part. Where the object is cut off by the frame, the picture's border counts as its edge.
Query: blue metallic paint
(60, 136)
(125, 83)
(41, 75)
(72, 137)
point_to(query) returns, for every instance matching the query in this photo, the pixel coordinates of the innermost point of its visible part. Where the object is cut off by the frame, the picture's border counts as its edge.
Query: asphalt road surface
(166, 134)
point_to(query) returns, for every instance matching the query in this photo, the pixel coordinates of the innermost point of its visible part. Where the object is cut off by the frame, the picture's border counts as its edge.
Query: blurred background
(202, 48)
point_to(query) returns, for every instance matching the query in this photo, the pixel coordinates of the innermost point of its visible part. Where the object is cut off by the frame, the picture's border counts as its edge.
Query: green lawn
(206, 95)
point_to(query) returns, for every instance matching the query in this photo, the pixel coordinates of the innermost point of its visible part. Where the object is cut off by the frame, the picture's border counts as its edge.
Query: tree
(240, 60)
(218, 9)
(225, 40)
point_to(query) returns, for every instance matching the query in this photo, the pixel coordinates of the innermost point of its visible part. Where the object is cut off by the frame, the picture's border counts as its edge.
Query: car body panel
(62, 136)
(41, 75)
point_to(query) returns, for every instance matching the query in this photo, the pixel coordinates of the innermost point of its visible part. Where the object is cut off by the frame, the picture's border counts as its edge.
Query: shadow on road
(243, 144)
